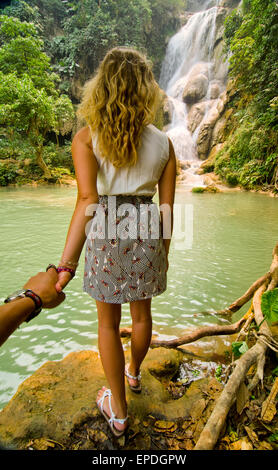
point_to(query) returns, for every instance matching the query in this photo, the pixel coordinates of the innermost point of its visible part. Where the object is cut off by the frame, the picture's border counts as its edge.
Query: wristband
(20, 294)
(64, 268)
(37, 301)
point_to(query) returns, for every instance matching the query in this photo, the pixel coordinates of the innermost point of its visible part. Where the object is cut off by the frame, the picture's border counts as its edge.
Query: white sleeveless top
(139, 179)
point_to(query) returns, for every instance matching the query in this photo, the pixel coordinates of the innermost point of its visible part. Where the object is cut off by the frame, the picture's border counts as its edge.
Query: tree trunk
(41, 163)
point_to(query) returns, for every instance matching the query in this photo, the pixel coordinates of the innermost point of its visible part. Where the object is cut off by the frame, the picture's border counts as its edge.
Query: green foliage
(239, 348)
(22, 53)
(218, 373)
(269, 305)
(55, 156)
(198, 189)
(13, 145)
(232, 178)
(164, 23)
(250, 154)
(23, 11)
(59, 172)
(7, 174)
(274, 372)
(77, 34)
(30, 104)
(273, 437)
(231, 23)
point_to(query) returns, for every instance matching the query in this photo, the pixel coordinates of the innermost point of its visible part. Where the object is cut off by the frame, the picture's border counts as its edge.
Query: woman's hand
(64, 278)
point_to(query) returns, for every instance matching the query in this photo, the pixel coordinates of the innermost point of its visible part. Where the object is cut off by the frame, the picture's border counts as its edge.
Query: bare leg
(140, 311)
(112, 357)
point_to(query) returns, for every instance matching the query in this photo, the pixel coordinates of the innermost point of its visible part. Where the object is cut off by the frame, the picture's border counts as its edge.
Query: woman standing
(121, 156)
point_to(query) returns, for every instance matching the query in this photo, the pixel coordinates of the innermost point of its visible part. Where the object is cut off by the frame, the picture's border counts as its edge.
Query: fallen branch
(216, 421)
(256, 354)
(237, 304)
(212, 330)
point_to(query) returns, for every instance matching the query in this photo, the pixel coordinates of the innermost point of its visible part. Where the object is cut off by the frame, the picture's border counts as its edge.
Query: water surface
(233, 238)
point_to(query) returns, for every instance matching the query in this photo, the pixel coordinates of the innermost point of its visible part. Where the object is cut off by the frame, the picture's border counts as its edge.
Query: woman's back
(141, 178)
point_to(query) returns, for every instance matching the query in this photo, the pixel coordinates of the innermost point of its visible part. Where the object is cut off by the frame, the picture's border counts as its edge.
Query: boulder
(58, 402)
(218, 133)
(205, 133)
(195, 115)
(214, 90)
(167, 111)
(195, 89)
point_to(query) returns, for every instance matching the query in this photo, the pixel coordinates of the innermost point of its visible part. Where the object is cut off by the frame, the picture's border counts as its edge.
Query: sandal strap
(121, 420)
(112, 419)
(137, 377)
(104, 395)
(113, 416)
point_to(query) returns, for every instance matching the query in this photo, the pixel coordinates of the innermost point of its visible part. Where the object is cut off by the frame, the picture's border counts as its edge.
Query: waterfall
(189, 63)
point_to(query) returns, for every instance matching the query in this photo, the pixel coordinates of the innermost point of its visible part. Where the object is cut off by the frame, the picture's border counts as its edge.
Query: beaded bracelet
(64, 268)
(38, 304)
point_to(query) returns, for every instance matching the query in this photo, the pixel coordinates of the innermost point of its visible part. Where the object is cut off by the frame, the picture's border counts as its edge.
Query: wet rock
(59, 398)
(167, 111)
(164, 364)
(195, 89)
(205, 133)
(218, 134)
(214, 90)
(183, 164)
(195, 115)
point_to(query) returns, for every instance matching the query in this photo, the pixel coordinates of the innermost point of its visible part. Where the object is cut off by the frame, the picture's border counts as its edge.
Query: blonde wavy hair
(118, 102)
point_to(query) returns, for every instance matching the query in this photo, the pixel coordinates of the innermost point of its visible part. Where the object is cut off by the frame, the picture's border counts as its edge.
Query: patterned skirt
(125, 258)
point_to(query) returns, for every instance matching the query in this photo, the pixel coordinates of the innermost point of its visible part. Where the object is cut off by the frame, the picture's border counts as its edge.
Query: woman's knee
(140, 311)
(109, 315)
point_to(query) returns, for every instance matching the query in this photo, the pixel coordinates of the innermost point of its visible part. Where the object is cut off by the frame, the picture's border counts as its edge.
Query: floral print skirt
(125, 258)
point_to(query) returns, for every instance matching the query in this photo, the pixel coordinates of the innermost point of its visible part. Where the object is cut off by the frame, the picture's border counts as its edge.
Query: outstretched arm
(16, 312)
(86, 167)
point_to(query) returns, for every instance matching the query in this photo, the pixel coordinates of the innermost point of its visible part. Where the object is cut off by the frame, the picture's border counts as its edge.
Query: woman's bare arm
(86, 167)
(166, 190)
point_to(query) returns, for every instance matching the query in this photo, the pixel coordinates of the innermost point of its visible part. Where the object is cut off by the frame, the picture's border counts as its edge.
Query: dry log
(212, 330)
(237, 304)
(274, 269)
(215, 423)
(271, 275)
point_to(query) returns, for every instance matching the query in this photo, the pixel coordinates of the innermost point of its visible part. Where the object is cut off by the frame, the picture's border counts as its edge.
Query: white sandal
(137, 388)
(111, 419)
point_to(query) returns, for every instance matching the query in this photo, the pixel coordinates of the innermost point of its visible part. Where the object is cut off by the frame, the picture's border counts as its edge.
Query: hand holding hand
(64, 278)
(43, 284)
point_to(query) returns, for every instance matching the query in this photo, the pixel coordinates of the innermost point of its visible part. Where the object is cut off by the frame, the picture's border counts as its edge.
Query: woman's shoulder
(84, 135)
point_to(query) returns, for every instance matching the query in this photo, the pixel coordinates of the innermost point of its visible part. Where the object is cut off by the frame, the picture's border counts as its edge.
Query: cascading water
(189, 63)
